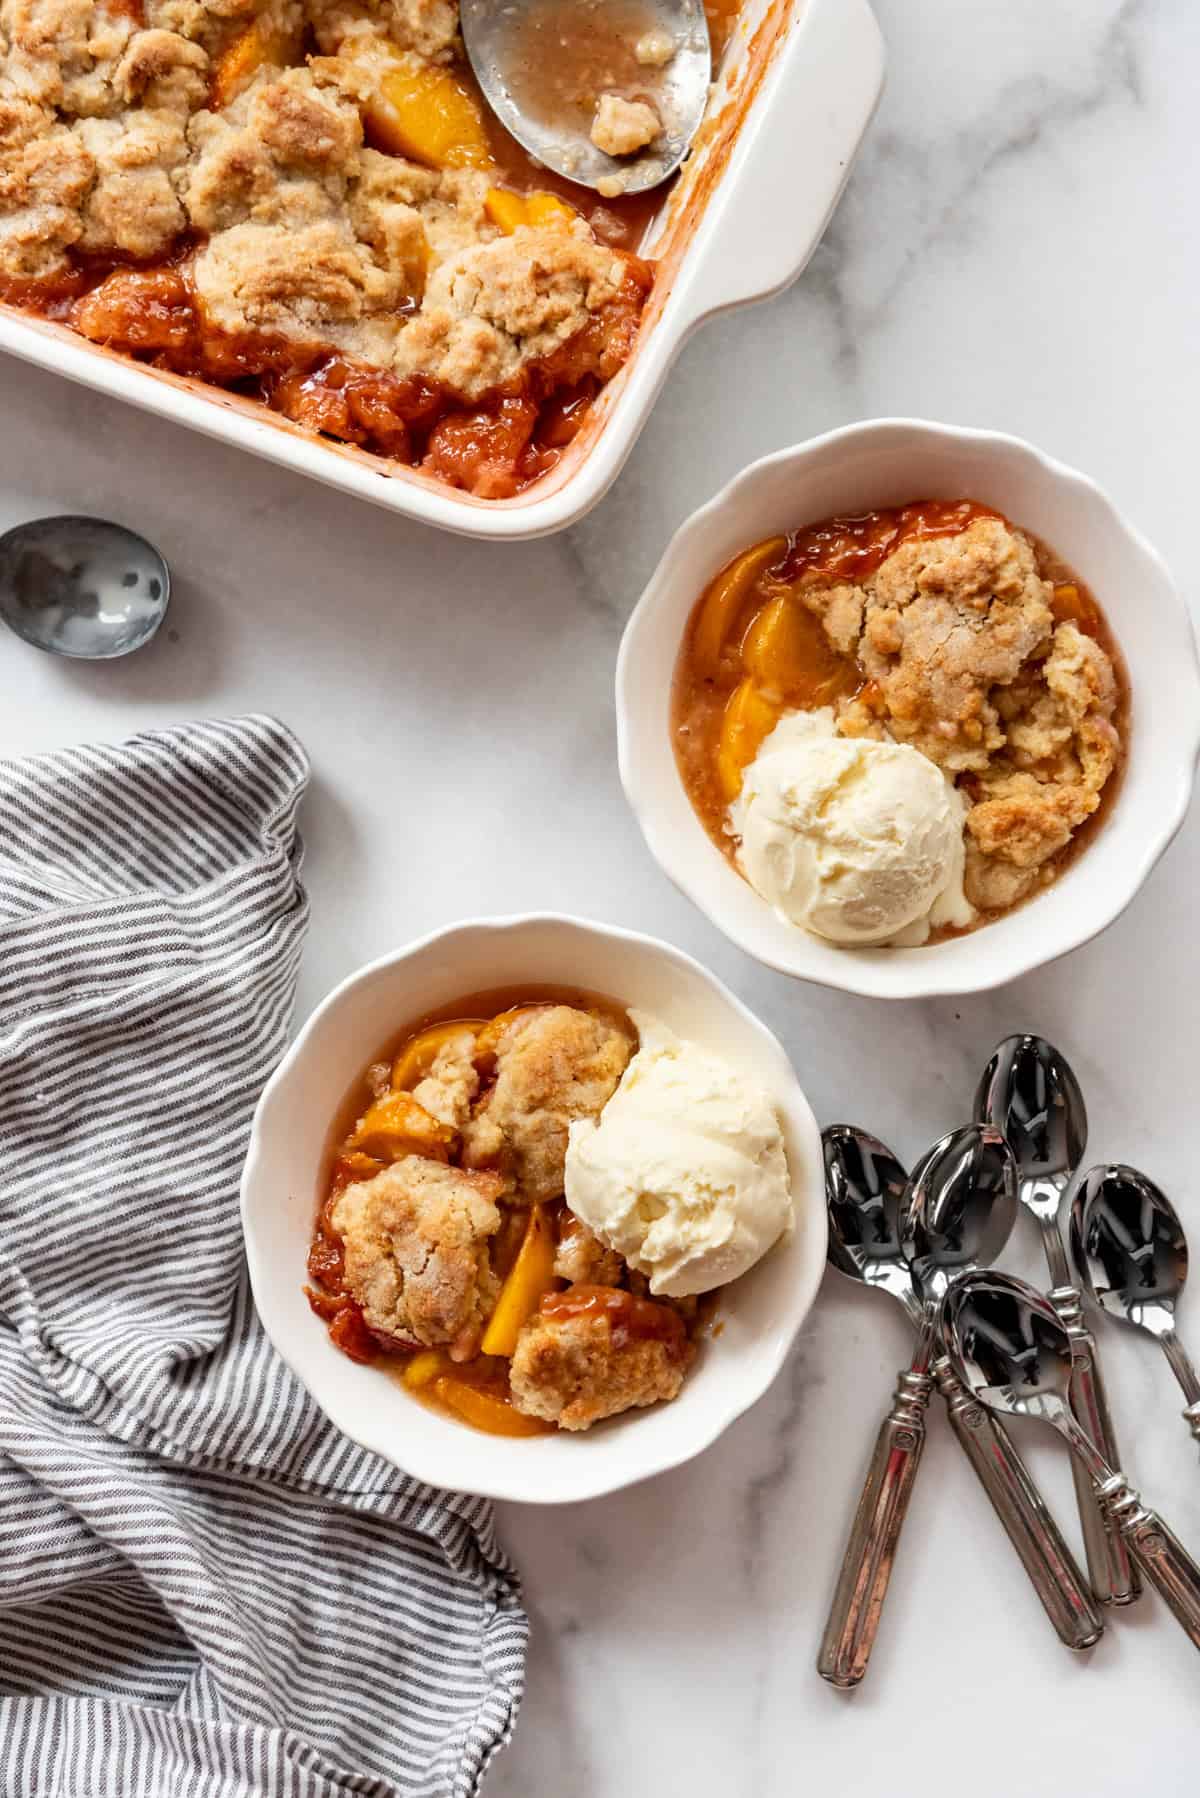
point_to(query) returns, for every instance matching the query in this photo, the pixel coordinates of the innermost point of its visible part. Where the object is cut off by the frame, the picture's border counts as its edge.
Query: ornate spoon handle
(1112, 1572)
(1162, 1557)
(867, 1563)
(1192, 1418)
(1022, 1510)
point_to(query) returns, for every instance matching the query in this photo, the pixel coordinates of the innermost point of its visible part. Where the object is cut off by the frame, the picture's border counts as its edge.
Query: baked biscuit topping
(415, 1244)
(585, 1364)
(554, 1066)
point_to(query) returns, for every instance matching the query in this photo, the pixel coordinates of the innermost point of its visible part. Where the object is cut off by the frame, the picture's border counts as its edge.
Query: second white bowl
(760, 1313)
(886, 463)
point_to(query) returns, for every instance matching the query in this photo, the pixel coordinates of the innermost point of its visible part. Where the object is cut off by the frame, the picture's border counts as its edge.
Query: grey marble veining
(1017, 249)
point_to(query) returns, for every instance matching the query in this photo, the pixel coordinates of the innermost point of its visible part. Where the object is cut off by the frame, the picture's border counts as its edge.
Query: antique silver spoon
(1030, 1094)
(960, 1209)
(867, 1190)
(82, 587)
(544, 66)
(1129, 1247)
(1009, 1345)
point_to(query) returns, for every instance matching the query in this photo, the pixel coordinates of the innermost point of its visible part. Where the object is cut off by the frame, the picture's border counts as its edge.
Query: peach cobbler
(900, 725)
(306, 201)
(530, 1204)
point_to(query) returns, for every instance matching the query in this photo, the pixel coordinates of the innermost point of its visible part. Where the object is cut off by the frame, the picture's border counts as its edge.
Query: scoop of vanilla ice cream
(684, 1172)
(858, 840)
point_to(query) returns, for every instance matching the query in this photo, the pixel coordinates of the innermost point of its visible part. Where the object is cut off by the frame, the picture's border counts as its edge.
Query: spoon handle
(1163, 1558)
(1022, 1510)
(1111, 1569)
(1189, 1380)
(867, 1563)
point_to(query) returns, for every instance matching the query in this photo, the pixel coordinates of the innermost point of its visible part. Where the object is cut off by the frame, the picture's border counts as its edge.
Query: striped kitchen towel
(205, 1590)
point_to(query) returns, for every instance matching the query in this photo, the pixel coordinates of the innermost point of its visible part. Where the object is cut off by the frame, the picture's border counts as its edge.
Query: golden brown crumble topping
(576, 1369)
(309, 189)
(553, 1066)
(415, 1244)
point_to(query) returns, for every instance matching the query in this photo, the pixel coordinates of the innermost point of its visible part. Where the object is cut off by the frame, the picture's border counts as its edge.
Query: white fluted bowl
(883, 463)
(761, 1314)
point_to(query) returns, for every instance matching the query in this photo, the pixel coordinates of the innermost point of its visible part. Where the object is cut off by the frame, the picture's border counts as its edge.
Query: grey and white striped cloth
(205, 1591)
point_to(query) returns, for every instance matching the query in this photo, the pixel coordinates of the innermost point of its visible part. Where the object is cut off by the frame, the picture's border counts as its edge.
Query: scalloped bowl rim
(978, 962)
(616, 1454)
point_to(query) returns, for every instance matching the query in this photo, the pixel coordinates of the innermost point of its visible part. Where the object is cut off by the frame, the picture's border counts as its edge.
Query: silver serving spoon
(1009, 1345)
(1030, 1094)
(1129, 1246)
(543, 66)
(82, 587)
(867, 1191)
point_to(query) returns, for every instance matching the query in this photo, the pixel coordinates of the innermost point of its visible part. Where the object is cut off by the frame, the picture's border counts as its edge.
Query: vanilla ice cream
(857, 840)
(684, 1172)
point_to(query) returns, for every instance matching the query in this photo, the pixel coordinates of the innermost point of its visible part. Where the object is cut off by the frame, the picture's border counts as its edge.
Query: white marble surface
(1017, 249)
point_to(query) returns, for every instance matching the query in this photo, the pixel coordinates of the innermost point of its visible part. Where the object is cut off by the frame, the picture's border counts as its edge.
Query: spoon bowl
(543, 65)
(961, 1207)
(82, 587)
(1009, 1347)
(865, 1187)
(1129, 1245)
(1030, 1094)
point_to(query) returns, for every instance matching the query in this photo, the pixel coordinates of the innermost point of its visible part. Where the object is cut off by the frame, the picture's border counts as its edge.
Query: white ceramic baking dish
(800, 82)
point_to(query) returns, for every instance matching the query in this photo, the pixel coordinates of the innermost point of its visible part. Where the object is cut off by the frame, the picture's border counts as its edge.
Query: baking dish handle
(764, 221)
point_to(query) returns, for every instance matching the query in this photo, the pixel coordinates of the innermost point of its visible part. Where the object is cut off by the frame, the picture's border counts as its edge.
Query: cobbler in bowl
(523, 1158)
(535, 1205)
(909, 709)
(901, 724)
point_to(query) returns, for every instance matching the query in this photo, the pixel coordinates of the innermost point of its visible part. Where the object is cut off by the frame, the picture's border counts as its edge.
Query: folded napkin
(204, 1588)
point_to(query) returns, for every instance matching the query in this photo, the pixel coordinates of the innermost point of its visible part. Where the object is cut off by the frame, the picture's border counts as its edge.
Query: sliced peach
(352, 1166)
(531, 1278)
(506, 209)
(417, 1057)
(396, 1125)
(486, 1412)
(1071, 605)
(257, 47)
(786, 653)
(748, 719)
(549, 209)
(425, 1368)
(510, 210)
(425, 112)
(724, 599)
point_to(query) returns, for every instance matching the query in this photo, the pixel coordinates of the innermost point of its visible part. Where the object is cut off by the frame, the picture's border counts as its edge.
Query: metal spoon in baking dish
(1129, 1247)
(82, 587)
(1009, 1345)
(867, 1190)
(1029, 1092)
(545, 66)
